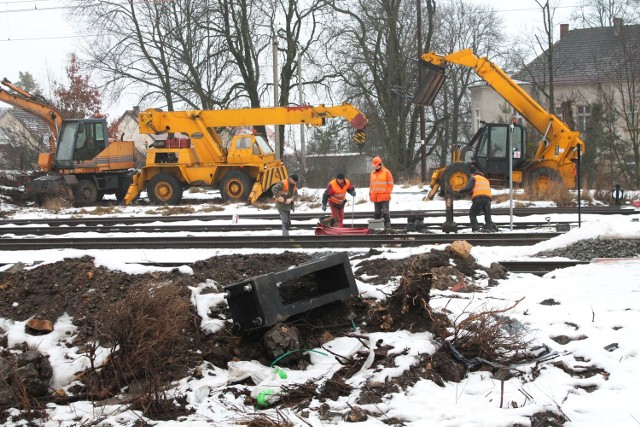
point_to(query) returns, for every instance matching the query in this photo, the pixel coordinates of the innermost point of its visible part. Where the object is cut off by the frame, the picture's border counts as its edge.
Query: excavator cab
(80, 141)
(490, 148)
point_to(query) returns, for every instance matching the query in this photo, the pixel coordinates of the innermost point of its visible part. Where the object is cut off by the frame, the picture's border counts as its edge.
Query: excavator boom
(27, 102)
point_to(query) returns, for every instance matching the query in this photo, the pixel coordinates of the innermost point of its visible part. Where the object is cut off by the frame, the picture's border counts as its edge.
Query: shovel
(353, 206)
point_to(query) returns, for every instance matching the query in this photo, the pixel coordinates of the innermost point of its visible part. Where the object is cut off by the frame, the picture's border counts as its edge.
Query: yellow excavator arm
(27, 102)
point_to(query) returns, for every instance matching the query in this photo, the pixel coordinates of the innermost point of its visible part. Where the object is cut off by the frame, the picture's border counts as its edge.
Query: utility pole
(423, 145)
(276, 94)
(303, 152)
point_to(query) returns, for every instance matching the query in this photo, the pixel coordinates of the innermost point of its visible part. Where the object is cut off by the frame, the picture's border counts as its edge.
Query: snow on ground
(598, 309)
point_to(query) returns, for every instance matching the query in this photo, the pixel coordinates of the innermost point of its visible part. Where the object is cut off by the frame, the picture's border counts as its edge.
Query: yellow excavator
(82, 163)
(188, 150)
(553, 163)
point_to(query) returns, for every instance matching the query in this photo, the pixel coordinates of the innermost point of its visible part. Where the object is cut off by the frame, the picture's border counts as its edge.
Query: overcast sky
(36, 37)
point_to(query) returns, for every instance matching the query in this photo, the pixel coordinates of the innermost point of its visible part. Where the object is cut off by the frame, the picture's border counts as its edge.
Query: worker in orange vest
(285, 193)
(380, 187)
(480, 189)
(336, 195)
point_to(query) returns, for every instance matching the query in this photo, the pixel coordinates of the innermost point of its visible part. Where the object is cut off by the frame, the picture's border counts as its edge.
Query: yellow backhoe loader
(554, 162)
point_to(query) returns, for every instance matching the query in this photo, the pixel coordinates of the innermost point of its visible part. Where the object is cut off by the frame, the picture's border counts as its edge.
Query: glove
(280, 199)
(288, 201)
(344, 202)
(324, 207)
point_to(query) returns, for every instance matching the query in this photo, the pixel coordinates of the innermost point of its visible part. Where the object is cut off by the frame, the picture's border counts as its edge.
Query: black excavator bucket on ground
(271, 298)
(429, 85)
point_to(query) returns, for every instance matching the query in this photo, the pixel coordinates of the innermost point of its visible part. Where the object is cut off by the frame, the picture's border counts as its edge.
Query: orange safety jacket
(380, 185)
(481, 187)
(337, 194)
(285, 189)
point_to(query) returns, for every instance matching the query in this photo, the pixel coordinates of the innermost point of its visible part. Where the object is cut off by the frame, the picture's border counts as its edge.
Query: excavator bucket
(266, 300)
(429, 85)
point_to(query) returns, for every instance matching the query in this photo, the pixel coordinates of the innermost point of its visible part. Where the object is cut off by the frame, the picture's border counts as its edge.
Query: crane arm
(25, 101)
(154, 121)
(555, 130)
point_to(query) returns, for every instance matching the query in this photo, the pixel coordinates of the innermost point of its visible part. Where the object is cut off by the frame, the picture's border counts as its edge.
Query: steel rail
(539, 267)
(191, 228)
(306, 216)
(265, 241)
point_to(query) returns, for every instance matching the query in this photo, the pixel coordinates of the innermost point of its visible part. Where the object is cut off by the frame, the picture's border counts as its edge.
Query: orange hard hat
(376, 161)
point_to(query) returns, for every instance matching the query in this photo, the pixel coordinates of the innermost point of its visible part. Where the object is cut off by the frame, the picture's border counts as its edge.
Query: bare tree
(162, 50)
(601, 13)
(461, 25)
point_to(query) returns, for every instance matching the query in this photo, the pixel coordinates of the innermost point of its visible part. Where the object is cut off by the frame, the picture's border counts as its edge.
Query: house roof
(33, 124)
(587, 55)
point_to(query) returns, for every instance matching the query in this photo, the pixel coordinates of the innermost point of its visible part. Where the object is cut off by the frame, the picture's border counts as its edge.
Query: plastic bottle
(266, 397)
(281, 373)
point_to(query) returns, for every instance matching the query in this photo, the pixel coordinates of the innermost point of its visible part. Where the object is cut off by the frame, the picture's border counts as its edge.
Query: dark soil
(83, 291)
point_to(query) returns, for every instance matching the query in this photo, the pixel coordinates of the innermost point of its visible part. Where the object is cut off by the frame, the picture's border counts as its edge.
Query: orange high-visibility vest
(285, 188)
(482, 187)
(380, 185)
(339, 193)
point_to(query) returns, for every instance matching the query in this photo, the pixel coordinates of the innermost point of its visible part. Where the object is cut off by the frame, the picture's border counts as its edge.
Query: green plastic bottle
(263, 397)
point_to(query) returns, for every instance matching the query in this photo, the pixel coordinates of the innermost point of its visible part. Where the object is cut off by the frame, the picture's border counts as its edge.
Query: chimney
(617, 27)
(564, 30)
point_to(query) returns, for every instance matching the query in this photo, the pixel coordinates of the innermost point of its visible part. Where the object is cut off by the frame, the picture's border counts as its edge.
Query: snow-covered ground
(599, 302)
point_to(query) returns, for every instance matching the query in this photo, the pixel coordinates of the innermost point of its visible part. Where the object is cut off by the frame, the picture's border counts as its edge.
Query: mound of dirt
(83, 291)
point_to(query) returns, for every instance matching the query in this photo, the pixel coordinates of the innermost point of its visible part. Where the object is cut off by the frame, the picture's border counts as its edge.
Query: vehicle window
(244, 142)
(484, 142)
(65, 142)
(498, 147)
(263, 145)
(256, 150)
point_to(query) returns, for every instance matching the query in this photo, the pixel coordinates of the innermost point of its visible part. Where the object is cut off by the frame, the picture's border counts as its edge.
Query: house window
(477, 114)
(559, 113)
(584, 112)
(631, 111)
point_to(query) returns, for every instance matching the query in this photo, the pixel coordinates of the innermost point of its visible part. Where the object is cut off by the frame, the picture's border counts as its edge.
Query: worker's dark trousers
(479, 204)
(381, 210)
(285, 217)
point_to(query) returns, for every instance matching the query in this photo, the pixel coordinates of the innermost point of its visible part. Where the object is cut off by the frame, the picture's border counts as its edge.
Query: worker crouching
(336, 196)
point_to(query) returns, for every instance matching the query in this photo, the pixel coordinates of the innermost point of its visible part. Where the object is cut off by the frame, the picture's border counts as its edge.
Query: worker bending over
(336, 195)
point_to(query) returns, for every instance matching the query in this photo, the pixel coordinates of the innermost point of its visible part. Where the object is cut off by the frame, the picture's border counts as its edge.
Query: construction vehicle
(82, 164)
(552, 164)
(243, 170)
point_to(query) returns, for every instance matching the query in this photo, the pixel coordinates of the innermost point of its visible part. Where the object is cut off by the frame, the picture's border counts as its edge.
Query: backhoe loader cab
(490, 148)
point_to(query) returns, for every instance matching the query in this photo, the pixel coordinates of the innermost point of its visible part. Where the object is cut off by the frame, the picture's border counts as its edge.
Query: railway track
(539, 267)
(44, 230)
(266, 241)
(300, 216)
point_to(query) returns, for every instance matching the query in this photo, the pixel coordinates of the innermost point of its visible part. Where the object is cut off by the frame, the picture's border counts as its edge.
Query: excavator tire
(164, 189)
(86, 193)
(542, 181)
(455, 178)
(235, 186)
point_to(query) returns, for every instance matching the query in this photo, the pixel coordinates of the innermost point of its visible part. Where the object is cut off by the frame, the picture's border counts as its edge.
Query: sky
(36, 36)
(599, 305)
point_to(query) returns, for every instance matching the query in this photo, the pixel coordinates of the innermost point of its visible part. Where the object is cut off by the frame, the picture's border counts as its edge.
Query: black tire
(86, 193)
(543, 180)
(235, 186)
(455, 177)
(164, 189)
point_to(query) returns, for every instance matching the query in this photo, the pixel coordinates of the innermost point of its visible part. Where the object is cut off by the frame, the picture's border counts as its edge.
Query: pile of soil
(83, 291)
